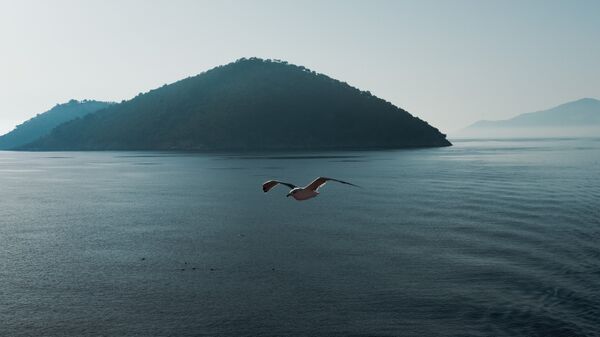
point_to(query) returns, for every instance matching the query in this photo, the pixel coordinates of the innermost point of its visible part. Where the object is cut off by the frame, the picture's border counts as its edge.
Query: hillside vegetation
(251, 104)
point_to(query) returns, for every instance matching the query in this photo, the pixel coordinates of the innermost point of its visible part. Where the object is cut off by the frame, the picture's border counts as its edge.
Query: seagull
(303, 193)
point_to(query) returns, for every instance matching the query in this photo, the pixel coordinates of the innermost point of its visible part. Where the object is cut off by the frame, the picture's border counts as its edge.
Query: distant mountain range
(42, 124)
(250, 104)
(577, 118)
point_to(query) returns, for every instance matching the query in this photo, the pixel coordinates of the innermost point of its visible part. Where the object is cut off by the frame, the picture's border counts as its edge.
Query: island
(248, 105)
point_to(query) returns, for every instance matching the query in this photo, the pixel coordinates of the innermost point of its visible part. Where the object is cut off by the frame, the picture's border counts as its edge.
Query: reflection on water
(485, 238)
(288, 157)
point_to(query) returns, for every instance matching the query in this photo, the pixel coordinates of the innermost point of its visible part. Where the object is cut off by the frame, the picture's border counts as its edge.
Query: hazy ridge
(576, 118)
(43, 123)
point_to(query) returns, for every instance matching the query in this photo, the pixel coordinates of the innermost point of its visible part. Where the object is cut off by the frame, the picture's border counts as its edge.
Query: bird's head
(292, 192)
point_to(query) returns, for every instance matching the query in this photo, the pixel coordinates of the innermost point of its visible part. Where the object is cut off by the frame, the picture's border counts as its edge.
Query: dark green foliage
(251, 104)
(42, 124)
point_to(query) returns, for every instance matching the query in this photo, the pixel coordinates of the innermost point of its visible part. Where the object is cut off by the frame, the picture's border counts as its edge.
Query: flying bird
(303, 193)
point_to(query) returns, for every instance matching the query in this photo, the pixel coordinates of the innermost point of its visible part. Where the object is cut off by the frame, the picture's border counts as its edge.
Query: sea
(489, 237)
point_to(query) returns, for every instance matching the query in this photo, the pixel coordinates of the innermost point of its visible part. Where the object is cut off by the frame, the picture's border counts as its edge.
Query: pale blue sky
(448, 62)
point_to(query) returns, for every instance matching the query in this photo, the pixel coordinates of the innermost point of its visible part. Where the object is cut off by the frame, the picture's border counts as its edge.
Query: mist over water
(485, 238)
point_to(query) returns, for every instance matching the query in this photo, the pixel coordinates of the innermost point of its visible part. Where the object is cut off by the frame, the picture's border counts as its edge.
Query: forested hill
(43, 123)
(251, 104)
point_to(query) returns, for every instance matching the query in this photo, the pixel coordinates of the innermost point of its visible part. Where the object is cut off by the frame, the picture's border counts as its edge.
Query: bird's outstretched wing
(319, 182)
(272, 183)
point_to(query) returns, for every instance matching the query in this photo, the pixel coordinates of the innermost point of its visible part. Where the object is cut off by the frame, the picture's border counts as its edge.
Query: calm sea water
(485, 238)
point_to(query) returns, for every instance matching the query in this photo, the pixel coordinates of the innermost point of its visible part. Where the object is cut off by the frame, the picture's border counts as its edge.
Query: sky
(450, 63)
